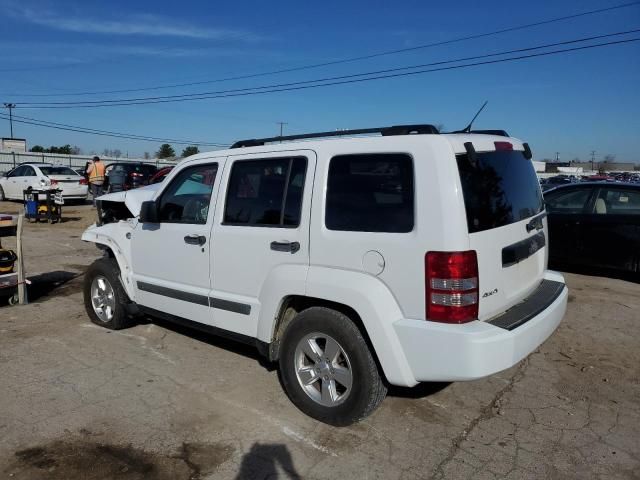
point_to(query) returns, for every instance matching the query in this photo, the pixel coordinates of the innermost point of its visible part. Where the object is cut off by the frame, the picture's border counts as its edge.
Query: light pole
(10, 106)
(282, 124)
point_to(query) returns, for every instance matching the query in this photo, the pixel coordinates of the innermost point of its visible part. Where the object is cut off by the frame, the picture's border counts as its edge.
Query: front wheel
(327, 368)
(104, 298)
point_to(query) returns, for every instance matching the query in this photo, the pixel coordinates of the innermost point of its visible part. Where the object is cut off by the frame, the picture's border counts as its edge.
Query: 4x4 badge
(488, 294)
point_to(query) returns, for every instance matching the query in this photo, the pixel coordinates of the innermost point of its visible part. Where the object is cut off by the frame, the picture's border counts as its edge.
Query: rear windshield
(58, 171)
(500, 189)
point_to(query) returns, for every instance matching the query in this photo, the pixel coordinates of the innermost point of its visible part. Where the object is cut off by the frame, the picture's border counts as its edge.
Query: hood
(133, 198)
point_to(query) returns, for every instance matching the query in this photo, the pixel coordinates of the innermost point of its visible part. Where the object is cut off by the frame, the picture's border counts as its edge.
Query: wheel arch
(106, 241)
(365, 300)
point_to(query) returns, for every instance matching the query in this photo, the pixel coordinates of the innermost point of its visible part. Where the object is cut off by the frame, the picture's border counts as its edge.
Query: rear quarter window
(370, 193)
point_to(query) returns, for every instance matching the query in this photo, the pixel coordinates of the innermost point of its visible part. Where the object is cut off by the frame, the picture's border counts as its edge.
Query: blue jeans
(96, 191)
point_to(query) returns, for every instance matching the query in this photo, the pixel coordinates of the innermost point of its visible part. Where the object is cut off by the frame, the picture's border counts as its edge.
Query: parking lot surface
(160, 402)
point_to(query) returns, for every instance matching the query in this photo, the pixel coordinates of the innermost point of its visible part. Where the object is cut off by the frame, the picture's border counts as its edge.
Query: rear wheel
(327, 368)
(2, 197)
(104, 298)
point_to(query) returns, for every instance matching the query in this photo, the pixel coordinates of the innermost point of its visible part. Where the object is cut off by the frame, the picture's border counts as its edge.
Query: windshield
(500, 189)
(57, 171)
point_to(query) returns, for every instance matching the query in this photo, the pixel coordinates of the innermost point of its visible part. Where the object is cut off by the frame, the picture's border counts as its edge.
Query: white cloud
(134, 24)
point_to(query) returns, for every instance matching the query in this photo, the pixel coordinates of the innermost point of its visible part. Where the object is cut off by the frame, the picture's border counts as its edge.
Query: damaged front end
(114, 207)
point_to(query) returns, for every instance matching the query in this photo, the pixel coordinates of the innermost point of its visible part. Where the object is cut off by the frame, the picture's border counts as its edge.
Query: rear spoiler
(471, 151)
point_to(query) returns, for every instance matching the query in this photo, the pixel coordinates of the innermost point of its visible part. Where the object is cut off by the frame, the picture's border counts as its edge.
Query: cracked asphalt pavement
(161, 402)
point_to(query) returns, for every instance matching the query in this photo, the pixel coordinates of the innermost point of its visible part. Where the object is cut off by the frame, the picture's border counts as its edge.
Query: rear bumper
(443, 352)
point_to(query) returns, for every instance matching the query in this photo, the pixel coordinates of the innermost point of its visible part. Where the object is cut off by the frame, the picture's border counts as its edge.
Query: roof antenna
(467, 129)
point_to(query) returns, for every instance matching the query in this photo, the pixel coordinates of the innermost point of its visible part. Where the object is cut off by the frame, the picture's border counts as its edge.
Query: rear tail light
(54, 182)
(451, 286)
(503, 146)
(83, 181)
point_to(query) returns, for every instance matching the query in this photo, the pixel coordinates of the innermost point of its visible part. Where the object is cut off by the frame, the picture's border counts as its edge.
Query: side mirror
(149, 212)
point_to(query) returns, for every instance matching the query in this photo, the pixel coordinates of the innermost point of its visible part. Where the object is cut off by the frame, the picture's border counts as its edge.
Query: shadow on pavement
(419, 391)
(246, 350)
(261, 462)
(45, 284)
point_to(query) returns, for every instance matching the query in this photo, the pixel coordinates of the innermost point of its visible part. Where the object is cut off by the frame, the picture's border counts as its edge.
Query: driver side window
(187, 198)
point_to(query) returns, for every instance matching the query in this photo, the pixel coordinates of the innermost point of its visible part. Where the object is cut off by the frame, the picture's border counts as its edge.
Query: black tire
(2, 197)
(367, 387)
(107, 268)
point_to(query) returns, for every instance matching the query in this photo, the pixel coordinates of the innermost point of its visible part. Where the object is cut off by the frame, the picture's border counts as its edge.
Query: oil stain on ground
(62, 460)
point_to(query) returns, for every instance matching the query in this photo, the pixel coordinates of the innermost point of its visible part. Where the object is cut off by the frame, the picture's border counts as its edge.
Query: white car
(353, 262)
(43, 176)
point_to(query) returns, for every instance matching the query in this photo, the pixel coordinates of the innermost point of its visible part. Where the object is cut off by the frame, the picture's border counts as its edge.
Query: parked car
(595, 224)
(553, 182)
(131, 174)
(161, 174)
(352, 262)
(39, 176)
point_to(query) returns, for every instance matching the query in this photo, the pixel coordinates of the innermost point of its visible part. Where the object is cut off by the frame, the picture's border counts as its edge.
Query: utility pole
(593, 157)
(282, 124)
(10, 106)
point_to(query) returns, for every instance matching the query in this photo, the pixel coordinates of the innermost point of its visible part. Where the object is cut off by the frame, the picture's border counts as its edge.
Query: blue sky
(570, 103)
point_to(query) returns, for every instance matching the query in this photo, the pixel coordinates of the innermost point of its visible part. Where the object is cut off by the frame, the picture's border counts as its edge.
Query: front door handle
(291, 247)
(195, 239)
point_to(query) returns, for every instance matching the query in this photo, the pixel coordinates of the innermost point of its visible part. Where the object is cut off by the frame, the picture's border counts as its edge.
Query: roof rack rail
(384, 131)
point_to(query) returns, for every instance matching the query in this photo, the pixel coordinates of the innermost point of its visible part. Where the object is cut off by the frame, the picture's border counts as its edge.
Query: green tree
(166, 151)
(65, 149)
(37, 148)
(188, 151)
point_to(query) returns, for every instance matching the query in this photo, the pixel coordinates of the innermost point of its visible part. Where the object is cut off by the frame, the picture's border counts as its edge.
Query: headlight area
(111, 212)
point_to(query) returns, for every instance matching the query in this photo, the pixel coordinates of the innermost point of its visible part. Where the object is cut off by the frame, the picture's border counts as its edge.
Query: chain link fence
(9, 160)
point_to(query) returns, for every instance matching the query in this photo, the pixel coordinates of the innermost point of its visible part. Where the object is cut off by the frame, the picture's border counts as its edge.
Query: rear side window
(499, 188)
(266, 193)
(370, 193)
(616, 201)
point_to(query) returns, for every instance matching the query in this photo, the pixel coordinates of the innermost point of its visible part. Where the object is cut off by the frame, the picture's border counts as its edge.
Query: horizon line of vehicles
(615, 231)
(74, 182)
(566, 179)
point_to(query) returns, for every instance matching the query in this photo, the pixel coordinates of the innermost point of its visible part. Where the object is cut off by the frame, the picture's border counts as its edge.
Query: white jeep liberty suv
(354, 262)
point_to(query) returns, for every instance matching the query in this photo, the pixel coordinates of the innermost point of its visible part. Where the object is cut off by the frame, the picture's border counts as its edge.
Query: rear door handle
(195, 239)
(291, 247)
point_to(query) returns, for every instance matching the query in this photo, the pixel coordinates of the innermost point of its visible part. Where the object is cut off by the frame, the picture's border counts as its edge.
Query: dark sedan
(125, 176)
(595, 224)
